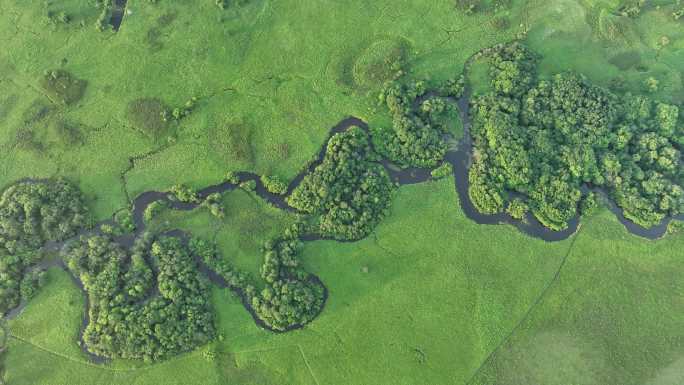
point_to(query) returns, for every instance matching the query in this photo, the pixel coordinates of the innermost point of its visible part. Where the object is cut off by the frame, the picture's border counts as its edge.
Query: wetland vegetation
(210, 200)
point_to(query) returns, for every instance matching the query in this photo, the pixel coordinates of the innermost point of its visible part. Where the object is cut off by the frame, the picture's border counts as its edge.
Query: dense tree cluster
(273, 184)
(128, 317)
(546, 140)
(292, 296)
(416, 138)
(347, 192)
(32, 213)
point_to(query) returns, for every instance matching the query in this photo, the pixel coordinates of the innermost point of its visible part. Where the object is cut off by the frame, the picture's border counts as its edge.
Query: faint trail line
(168, 361)
(527, 314)
(301, 351)
(63, 356)
(99, 366)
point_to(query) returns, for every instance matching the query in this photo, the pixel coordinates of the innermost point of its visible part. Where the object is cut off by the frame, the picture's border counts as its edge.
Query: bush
(248, 185)
(443, 171)
(274, 185)
(150, 116)
(184, 193)
(63, 87)
(517, 209)
(214, 204)
(153, 209)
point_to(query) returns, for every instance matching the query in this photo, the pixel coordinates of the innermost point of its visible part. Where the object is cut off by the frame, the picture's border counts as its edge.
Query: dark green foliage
(124, 220)
(442, 171)
(347, 192)
(454, 87)
(32, 213)
(546, 139)
(589, 204)
(512, 69)
(63, 87)
(31, 282)
(291, 297)
(128, 318)
(274, 185)
(150, 116)
(415, 139)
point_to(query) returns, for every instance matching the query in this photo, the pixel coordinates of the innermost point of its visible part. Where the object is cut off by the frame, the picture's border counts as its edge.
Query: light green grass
(421, 313)
(52, 319)
(274, 67)
(440, 293)
(613, 316)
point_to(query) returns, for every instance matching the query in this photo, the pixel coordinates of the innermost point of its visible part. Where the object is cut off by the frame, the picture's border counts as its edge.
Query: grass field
(429, 298)
(611, 318)
(471, 297)
(280, 76)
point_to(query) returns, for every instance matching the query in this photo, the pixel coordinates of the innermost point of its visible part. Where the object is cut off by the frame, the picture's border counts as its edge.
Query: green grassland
(411, 306)
(610, 318)
(430, 297)
(271, 78)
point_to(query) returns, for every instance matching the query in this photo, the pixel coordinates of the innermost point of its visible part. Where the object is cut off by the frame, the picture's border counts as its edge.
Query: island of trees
(543, 144)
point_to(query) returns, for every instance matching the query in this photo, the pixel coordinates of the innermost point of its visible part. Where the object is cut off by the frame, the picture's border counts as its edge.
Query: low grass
(615, 51)
(612, 317)
(265, 75)
(52, 320)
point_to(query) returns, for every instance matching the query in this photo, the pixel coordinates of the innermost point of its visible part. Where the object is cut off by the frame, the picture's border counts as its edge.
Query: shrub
(274, 185)
(63, 87)
(150, 116)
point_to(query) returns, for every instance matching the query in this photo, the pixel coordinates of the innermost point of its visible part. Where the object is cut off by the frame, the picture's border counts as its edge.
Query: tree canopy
(551, 139)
